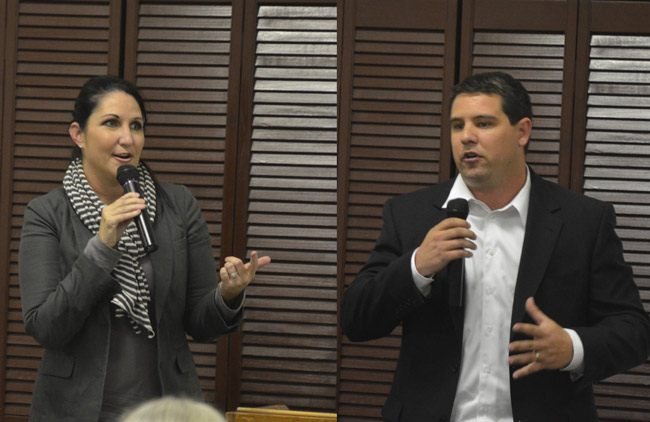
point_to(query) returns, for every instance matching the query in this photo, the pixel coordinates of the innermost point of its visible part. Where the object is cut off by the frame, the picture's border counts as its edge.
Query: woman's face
(114, 135)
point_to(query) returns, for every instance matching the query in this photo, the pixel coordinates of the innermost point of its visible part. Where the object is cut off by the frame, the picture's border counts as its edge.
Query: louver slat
(536, 60)
(182, 68)
(59, 46)
(617, 151)
(396, 107)
(289, 338)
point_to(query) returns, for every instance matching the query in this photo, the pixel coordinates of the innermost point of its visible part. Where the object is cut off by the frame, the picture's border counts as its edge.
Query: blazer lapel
(161, 260)
(543, 227)
(82, 237)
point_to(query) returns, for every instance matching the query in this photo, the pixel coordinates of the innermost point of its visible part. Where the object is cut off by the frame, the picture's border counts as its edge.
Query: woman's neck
(106, 191)
(108, 195)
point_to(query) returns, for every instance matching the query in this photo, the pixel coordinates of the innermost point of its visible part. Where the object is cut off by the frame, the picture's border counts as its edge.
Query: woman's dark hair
(91, 94)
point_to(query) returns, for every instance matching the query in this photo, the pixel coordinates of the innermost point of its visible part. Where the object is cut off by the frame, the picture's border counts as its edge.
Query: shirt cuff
(229, 314)
(101, 254)
(421, 282)
(577, 364)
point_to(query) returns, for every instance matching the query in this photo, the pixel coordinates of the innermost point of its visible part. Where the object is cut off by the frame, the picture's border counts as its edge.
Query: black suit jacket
(572, 263)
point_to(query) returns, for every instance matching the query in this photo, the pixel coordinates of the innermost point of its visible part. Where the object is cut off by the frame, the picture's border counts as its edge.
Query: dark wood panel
(529, 15)
(57, 46)
(616, 154)
(398, 70)
(182, 66)
(537, 60)
(619, 17)
(290, 324)
(391, 14)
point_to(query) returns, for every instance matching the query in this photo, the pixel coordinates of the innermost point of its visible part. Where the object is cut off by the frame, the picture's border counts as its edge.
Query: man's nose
(469, 134)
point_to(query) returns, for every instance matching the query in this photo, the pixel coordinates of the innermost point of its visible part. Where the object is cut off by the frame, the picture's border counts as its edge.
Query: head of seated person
(173, 409)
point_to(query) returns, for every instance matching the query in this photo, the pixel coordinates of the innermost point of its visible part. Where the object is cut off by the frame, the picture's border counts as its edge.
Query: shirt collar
(519, 202)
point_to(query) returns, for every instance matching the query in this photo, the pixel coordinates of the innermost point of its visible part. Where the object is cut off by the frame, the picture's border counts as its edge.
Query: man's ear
(524, 127)
(77, 135)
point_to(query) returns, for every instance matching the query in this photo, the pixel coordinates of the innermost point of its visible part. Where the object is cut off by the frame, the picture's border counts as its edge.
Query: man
(549, 306)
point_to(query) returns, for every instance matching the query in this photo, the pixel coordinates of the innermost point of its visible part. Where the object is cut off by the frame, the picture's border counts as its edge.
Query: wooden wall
(292, 122)
(242, 109)
(587, 67)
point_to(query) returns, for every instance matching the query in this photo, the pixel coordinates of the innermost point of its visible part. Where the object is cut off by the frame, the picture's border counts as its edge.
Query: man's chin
(475, 178)
(473, 173)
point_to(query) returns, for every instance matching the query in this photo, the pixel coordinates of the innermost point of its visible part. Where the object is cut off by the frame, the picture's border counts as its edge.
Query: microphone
(457, 208)
(127, 175)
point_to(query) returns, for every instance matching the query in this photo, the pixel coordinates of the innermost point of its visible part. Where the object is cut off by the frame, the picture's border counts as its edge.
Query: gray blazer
(65, 301)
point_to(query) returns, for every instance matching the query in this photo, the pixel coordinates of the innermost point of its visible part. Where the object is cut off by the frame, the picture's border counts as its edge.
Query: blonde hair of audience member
(173, 409)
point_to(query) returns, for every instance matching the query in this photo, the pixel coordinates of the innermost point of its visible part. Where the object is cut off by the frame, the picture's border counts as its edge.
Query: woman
(112, 318)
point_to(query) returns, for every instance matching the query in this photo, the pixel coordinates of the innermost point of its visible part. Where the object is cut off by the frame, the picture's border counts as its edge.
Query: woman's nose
(126, 137)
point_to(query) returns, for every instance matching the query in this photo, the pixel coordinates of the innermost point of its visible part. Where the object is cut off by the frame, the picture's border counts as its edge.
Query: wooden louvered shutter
(58, 46)
(397, 70)
(535, 43)
(613, 84)
(288, 185)
(181, 63)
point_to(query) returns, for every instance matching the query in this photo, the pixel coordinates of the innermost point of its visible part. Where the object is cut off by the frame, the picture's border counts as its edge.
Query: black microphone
(127, 175)
(457, 208)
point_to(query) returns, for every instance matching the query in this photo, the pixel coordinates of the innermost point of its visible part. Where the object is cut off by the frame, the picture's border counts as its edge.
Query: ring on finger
(536, 356)
(233, 275)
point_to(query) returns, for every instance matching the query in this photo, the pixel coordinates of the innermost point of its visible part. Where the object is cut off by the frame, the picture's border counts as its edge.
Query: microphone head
(458, 208)
(125, 173)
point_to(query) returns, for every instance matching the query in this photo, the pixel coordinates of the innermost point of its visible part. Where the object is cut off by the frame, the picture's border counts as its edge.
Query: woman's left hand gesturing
(235, 275)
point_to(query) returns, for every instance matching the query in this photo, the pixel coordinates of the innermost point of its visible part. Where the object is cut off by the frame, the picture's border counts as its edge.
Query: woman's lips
(125, 158)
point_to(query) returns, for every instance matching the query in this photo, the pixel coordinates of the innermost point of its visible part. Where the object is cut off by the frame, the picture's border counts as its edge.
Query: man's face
(487, 149)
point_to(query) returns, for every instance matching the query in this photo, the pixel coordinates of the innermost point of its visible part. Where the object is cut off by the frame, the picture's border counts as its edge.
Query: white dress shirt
(483, 391)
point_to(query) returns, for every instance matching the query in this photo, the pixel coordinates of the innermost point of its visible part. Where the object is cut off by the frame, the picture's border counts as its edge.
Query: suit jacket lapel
(543, 227)
(456, 314)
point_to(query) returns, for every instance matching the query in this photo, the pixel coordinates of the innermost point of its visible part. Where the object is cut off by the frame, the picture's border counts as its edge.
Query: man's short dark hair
(515, 100)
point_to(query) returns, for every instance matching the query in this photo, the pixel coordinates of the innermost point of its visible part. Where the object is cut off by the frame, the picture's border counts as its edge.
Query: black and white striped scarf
(134, 297)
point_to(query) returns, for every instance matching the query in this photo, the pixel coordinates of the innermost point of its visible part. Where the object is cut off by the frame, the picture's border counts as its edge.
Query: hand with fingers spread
(117, 216)
(445, 242)
(550, 348)
(235, 275)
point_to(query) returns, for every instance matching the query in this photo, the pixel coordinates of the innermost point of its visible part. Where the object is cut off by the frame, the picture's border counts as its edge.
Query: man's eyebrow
(477, 117)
